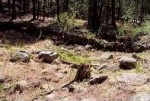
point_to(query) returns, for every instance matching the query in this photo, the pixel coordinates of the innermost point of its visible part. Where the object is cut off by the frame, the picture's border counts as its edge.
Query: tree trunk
(113, 13)
(33, 10)
(66, 5)
(58, 10)
(1, 6)
(13, 13)
(25, 6)
(90, 13)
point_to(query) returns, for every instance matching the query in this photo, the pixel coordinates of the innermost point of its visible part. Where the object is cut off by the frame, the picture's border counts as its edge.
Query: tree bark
(113, 13)
(33, 10)
(13, 13)
(58, 10)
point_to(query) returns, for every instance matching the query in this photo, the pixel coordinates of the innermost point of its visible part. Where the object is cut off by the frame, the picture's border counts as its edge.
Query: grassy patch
(130, 30)
(139, 68)
(1, 88)
(72, 57)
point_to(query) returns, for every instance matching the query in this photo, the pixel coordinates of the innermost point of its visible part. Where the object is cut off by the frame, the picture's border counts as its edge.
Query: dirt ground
(41, 78)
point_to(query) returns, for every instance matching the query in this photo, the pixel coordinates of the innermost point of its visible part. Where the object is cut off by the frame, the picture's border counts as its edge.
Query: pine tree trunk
(113, 13)
(33, 10)
(25, 6)
(58, 10)
(1, 6)
(13, 13)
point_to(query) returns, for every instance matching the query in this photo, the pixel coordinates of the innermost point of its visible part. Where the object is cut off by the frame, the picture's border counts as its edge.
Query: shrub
(67, 21)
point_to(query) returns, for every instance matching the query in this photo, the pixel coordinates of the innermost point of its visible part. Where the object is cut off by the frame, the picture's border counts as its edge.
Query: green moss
(72, 57)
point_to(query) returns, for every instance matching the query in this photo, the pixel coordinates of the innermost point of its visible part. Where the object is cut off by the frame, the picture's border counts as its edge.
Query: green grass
(72, 57)
(130, 30)
(1, 88)
(139, 68)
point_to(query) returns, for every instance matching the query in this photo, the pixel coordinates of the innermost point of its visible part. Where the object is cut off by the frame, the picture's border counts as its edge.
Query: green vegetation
(139, 68)
(1, 88)
(72, 57)
(128, 29)
(67, 21)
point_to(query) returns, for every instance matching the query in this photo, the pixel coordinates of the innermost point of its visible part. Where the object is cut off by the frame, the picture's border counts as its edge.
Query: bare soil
(43, 77)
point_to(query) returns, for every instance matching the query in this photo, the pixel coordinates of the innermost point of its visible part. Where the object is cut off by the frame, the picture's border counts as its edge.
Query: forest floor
(37, 78)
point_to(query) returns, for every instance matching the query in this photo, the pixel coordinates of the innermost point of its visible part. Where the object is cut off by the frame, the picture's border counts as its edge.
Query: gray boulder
(127, 62)
(21, 56)
(48, 56)
(98, 79)
(141, 97)
(133, 79)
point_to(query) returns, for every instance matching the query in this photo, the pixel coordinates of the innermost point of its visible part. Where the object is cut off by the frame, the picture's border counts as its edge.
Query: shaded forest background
(106, 19)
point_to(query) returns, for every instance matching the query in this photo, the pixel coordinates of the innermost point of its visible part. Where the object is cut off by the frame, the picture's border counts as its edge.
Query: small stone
(106, 56)
(50, 97)
(98, 79)
(2, 78)
(78, 48)
(127, 62)
(88, 47)
(133, 79)
(45, 86)
(141, 97)
(20, 56)
(71, 88)
(48, 56)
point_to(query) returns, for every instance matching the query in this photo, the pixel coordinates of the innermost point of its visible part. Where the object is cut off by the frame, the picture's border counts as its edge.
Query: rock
(50, 97)
(2, 78)
(127, 62)
(20, 56)
(137, 47)
(70, 88)
(106, 56)
(45, 86)
(98, 79)
(88, 47)
(133, 79)
(48, 56)
(141, 97)
(78, 48)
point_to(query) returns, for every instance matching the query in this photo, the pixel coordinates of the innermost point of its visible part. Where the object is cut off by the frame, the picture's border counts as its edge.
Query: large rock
(2, 78)
(127, 62)
(141, 97)
(21, 56)
(133, 79)
(48, 56)
(98, 79)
